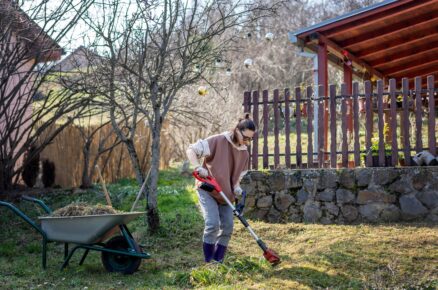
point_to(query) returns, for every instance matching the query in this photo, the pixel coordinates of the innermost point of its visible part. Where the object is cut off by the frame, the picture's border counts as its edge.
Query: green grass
(391, 256)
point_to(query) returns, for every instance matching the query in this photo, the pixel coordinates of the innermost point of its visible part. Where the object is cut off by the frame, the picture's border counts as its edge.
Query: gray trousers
(218, 219)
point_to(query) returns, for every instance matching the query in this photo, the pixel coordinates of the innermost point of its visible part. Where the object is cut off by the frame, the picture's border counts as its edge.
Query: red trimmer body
(209, 184)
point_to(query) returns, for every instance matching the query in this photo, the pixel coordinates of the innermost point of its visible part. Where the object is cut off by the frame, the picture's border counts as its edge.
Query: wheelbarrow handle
(24, 217)
(37, 201)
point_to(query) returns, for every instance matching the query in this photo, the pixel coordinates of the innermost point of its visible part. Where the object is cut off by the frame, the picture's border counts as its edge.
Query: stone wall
(343, 196)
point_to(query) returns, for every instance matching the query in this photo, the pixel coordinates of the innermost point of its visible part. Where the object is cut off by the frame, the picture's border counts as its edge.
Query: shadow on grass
(314, 278)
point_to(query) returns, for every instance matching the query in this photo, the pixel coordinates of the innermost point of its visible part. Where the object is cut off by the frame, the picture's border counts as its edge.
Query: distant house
(80, 58)
(23, 45)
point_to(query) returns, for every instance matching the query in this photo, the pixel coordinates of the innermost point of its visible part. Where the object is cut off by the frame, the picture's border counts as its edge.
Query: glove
(202, 171)
(238, 192)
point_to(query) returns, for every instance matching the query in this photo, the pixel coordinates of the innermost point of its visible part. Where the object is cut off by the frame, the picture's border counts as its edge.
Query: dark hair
(245, 123)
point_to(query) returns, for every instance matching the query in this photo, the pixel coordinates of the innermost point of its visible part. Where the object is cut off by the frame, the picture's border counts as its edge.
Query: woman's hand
(202, 171)
(238, 192)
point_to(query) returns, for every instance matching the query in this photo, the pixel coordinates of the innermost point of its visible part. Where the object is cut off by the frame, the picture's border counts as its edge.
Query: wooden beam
(400, 39)
(380, 16)
(385, 31)
(340, 51)
(425, 70)
(395, 55)
(412, 65)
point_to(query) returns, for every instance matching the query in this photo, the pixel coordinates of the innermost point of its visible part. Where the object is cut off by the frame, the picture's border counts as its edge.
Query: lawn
(403, 256)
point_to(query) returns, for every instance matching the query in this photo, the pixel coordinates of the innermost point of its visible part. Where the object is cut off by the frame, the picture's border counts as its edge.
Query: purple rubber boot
(219, 254)
(208, 251)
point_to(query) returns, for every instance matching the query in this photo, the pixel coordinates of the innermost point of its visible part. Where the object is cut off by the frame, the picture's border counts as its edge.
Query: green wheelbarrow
(119, 254)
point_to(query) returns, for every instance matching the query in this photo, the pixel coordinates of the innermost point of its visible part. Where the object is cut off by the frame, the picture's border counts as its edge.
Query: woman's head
(244, 130)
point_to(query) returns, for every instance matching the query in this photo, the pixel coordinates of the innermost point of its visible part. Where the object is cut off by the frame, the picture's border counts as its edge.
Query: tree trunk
(6, 178)
(86, 176)
(153, 217)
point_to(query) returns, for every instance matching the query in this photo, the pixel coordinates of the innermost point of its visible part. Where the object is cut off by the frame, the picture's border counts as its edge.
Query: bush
(31, 167)
(48, 173)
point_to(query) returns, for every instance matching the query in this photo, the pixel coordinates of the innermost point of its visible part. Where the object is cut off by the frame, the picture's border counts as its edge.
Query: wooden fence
(66, 152)
(387, 112)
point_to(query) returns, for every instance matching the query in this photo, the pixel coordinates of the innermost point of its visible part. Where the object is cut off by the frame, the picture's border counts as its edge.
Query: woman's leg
(226, 229)
(210, 212)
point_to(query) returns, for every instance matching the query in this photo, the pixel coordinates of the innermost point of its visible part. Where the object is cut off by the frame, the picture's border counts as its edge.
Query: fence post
(418, 116)
(380, 124)
(276, 130)
(287, 127)
(299, 159)
(321, 127)
(394, 155)
(369, 122)
(405, 122)
(431, 130)
(255, 143)
(333, 155)
(265, 129)
(309, 128)
(344, 125)
(356, 124)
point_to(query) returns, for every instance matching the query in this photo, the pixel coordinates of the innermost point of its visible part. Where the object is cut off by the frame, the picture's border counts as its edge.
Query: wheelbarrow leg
(44, 257)
(69, 257)
(65, 250)
(84, 256)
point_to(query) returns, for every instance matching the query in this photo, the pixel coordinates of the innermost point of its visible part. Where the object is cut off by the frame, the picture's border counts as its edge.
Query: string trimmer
(209, 184)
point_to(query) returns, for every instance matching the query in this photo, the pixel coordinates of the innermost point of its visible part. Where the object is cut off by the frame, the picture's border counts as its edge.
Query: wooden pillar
(323, 81)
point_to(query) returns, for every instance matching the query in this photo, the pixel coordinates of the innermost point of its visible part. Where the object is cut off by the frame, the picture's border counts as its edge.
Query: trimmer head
(272, 257)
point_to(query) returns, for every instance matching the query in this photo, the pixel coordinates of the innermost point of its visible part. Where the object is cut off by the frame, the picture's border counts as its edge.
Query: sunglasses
(245, 138)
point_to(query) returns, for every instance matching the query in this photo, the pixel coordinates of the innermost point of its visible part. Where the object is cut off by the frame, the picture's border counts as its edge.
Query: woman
(226, 159)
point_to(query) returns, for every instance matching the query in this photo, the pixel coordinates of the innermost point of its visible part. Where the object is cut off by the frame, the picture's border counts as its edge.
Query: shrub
(31, 167)
(48, 173)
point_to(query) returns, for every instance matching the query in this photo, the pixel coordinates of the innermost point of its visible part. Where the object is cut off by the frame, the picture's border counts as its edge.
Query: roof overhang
(391, 39)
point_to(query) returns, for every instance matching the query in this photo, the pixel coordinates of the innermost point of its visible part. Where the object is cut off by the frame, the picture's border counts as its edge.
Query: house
(23, 45)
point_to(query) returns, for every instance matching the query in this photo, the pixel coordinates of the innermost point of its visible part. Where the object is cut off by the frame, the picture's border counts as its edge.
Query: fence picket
(265, 129)
(380, 123)
(333, 155)
(344, 125)
(432, 114)
(309, 128)
(299, 160)
(418, 116)
(321, 155)
(276, 130)
(393, 122)
(255, 143)
(287, 126)
(356, 124)
(369, 122)
(405, 121)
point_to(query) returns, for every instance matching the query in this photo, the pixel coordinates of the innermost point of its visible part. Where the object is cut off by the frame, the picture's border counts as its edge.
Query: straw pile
(82, 209)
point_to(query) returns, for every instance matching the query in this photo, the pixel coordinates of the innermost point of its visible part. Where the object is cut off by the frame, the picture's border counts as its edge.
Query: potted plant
(374, 151)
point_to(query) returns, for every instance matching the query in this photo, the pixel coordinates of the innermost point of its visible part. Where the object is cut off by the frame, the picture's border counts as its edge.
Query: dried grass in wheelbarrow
(83, 209)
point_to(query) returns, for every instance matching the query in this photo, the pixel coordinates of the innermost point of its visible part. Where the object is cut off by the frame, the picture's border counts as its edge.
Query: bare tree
(29, 36)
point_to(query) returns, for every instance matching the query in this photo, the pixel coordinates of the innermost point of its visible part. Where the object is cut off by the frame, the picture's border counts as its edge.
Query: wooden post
(393, 123)
(298, 126)
(344, 125)
(102, 181)
(432, 130)
(265, 129)
(321, 151)
(356, 124)
(418, 115)
(382, 152)
(255, 143)
(369, 122)
(287, 127)
(333, 155)
(309, 128)
(323, 81)
(405, 121)
(276, 130)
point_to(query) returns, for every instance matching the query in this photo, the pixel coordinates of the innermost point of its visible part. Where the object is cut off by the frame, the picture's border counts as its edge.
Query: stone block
(311, 212)
(347, 179)
(293, 180)
(371, 212)
(273, 216)
(276, 181)
(344, 196)
(264, 202)
(402, 186)
(391, 213)
(282, 201)
(384, 176)
(349, 212)
(331, 208)
(421, 179)
(363, 177)
(411, 207)
(326, 195)
(328, 179)
(302, 196)
(371, 195)
(429, 198)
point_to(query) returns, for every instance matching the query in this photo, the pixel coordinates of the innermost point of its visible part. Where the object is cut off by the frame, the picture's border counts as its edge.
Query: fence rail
(384, 125)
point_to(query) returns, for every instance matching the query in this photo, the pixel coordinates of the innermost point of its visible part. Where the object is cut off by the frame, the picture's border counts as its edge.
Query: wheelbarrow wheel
(120, 263)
